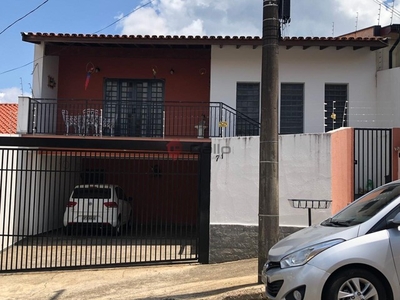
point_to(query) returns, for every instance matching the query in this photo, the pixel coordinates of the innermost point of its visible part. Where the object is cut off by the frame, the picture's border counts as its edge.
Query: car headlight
(302, 256)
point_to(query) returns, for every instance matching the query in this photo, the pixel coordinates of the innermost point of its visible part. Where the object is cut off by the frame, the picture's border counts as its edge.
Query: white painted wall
(44, 66)
(388, 98)
(304, 172)
(313, 67)
(8, 180)
(39, 206)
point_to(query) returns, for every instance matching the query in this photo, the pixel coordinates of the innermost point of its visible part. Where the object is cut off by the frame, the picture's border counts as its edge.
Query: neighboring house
(8, 118)
(172, 120)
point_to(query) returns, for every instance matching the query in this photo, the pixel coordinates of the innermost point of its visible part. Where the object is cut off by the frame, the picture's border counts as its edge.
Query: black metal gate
(36, 184)
(372, 159)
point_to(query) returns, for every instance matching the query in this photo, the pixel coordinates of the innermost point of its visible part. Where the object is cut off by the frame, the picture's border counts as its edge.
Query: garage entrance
(162, 189)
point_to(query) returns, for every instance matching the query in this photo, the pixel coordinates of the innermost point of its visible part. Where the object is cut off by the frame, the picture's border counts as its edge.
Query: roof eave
(88, 39)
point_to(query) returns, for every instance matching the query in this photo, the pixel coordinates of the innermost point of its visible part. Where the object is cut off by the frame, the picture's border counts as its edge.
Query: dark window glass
(292, 108)
(92, 193)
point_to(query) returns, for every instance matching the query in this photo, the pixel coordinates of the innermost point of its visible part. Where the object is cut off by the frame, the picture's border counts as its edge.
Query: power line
(136, 9)
(23, 17)
(388, 7)
(23, 66)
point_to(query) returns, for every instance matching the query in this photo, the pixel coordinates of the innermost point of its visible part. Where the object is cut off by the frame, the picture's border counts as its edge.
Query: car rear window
(92, 193)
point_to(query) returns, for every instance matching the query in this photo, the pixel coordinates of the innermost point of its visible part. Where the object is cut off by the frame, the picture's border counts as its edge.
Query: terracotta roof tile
(8, 118)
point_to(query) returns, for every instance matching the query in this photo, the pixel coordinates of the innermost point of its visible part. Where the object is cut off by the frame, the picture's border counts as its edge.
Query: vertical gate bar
(3, 191)
(93, 156)
(140, 250)
(62, 209)
(12, 177)
(125, 233)
(166, 246)
(390, 155)
(69, 244)
(204, 167)
(38, 216)
(57, 207)
(10, 236)
(64, 167)
(24, 196)
(374, 147)
(379, 157)
(390, 165)
(357, 155)
(16, 219)
(82, 173)
(184, 238)
(28, 184)
(35, 209)
(48, 207)
(152, 222)
(366, 155)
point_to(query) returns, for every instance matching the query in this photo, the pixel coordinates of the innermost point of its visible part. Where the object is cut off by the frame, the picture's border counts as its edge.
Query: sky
(312, 18)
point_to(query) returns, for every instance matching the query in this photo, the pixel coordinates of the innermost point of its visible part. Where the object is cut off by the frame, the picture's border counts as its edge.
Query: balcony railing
(137, 119)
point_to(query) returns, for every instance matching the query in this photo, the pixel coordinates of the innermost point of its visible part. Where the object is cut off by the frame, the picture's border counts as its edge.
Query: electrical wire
(23, 66)
(23, 17)
(136, 9)
(388, 7)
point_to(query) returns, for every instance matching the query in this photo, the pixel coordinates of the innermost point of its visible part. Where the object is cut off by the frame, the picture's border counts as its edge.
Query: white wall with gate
(304, 172)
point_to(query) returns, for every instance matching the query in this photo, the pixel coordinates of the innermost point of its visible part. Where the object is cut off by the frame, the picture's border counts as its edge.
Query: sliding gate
(35, 185)
(372, 159)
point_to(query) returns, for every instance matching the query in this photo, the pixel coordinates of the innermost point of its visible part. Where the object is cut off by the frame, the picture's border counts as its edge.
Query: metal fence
(372, 159)
(138, 119)
(35, 190)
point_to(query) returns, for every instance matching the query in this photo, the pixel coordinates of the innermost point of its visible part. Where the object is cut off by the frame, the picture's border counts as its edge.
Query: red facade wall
(164, 191)
(190, 81)
(185, 72)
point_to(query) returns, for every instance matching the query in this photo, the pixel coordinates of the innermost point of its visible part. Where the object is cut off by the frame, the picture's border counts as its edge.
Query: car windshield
(92, 193)
(366, 207)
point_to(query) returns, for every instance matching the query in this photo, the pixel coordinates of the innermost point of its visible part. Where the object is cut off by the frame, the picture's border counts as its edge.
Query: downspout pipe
(391, 51)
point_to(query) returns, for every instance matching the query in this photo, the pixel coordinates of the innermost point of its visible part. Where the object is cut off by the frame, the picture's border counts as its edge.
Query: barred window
(292, 108)
(248, 108)
(336, 99)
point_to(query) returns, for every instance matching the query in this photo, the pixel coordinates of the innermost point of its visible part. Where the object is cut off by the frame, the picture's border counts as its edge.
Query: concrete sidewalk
(233, 280)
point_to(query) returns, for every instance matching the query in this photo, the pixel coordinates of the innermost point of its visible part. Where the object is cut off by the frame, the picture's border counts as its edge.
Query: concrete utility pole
(268, 220)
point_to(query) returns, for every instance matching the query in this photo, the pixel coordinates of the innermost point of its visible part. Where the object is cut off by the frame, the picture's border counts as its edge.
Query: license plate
(88, 218)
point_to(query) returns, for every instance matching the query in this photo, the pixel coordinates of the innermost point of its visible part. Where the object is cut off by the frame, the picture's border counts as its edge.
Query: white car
(100, 205)
(352, 255)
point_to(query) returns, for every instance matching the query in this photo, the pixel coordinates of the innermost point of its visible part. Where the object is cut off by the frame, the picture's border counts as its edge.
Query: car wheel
(354, 284)
(67, 230)
(117, 229)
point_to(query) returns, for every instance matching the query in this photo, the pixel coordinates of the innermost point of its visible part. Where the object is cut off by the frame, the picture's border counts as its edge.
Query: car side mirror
(395, 222)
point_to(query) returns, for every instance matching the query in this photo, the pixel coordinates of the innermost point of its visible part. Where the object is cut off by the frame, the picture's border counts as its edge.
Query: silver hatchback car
(353, 255)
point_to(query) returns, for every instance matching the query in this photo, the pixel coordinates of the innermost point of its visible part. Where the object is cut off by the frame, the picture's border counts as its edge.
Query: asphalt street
(231, 281)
